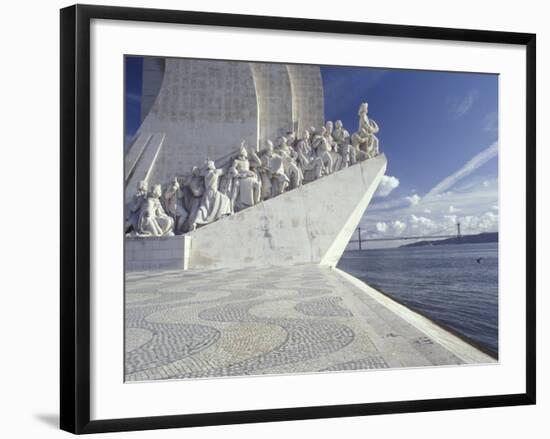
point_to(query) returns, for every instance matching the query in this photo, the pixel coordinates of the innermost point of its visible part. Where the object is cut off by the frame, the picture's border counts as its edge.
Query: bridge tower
(458, 234)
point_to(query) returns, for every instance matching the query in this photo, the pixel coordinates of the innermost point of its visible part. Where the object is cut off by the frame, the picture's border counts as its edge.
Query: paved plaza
(301, 319)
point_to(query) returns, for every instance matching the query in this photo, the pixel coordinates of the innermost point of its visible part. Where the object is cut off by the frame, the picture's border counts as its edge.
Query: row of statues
(206, 195)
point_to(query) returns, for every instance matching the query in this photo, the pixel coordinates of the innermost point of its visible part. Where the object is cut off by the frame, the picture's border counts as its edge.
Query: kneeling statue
(153, 220)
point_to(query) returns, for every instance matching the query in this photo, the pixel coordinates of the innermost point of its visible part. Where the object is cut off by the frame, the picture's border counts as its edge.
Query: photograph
(284, 218)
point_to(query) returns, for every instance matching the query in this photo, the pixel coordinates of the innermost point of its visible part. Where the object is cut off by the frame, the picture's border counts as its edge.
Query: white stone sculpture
(322, 150)
(133, 209)
(214, 204)
(359, 141)
(309, 163)
(246, 180)
(368, 128)
(289, 155)
(245, 186)
(272, 173)
(153, 220)
(193, 190)
(173, 205)
(291, 139)
(333, 150)
(341, 138)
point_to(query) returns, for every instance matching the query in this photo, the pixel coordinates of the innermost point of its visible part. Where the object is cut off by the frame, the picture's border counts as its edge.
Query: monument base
(155, 253)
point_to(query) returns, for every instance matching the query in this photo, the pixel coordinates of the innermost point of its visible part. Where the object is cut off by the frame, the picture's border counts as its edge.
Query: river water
(445, 283)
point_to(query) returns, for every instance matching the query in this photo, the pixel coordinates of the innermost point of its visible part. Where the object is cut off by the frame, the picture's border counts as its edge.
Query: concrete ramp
(310, 224)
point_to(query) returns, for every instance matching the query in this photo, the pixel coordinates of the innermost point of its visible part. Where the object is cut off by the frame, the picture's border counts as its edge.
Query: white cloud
(386, 186)
(422, 220)
(474, 204)
(398, 227)
(459, 109)
(474, 163)
(413, 199)
(479, 223)
(450, 219)
(381, 227)
(453, 209)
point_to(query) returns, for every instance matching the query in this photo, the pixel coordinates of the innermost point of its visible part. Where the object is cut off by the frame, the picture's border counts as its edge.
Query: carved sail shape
(140, 161)
(310, 224)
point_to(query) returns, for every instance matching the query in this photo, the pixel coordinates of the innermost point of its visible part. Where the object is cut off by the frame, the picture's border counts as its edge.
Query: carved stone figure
(193, 190)
(245, 186)
(133, 209)
(289, 155)
(333, 147)
(153, 220)
(214, 205)
(341, 138)
(309, 163)
(291, 139)
(368, 127)
(322, 150)
(255, 164)
(272, 173)
(360, 143)
(173, 205)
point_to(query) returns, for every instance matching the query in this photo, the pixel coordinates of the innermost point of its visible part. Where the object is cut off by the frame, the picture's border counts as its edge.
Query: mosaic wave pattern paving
(182, 325)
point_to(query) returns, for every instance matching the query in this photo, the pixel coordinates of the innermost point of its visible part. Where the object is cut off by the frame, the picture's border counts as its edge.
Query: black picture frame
(75, 217)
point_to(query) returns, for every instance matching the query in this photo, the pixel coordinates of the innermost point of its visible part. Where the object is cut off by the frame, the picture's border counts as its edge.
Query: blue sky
(132, 97)
(439, 131)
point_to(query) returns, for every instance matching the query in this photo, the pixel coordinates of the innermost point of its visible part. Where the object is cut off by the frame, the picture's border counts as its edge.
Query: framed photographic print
(273, 218)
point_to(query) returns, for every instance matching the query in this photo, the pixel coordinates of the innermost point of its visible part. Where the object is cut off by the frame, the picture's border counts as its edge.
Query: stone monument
(227, 206)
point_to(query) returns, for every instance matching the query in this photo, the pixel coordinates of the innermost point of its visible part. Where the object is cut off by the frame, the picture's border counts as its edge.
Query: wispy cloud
(460, 108)
(474, 163)
(490, 122)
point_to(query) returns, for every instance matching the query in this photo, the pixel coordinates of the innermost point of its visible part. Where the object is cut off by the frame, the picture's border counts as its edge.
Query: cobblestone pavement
(276, 320)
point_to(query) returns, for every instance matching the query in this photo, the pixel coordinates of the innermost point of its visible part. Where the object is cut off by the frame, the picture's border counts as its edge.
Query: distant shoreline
(468, 239)
(428, 244)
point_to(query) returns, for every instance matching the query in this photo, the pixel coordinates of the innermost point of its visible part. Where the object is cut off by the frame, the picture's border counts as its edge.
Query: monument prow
(311, 224)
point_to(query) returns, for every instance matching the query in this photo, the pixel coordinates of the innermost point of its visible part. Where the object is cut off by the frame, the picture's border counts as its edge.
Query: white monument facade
(235, 166)
(205, 108)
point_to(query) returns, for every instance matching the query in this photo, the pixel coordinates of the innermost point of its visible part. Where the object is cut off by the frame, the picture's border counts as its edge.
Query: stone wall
(205, 108)
(307, 97)
(274, 100)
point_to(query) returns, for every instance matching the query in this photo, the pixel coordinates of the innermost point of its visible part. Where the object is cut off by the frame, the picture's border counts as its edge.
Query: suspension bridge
(440, 234)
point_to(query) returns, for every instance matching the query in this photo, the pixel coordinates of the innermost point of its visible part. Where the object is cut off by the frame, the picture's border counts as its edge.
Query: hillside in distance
(467, 239)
